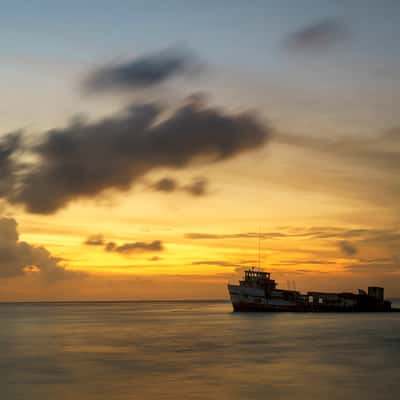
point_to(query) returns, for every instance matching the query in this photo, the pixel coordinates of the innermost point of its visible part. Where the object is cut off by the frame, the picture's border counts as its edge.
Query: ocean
(194, 350)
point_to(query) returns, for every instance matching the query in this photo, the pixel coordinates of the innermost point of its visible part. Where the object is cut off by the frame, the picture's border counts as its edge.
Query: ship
(258, 292)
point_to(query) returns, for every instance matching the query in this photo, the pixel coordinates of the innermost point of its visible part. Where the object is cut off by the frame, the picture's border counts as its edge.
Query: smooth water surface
(194, 350)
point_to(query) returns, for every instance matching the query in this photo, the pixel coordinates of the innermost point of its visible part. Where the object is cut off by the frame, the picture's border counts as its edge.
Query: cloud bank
(18, 258)
(86, 158)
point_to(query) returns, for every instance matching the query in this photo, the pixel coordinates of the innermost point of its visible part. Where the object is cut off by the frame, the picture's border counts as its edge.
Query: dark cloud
(95, 240)
(125, 248)
(197, 188)
(348, 248)
(167, 185)
(317, 36)
(143, 72)
(110, 246)
(135, 247)
(155, 258)
(85, 159)
(10, 145)
(18, 258)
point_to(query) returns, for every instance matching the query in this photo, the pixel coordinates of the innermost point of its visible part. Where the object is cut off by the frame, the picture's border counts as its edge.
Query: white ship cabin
(260, 279)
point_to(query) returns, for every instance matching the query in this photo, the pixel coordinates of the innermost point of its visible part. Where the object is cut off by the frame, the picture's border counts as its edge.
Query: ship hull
(255, 299)
(248, 307)
(251, 307)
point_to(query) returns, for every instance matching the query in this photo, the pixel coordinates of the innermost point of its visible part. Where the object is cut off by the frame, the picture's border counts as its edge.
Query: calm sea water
(194, 350)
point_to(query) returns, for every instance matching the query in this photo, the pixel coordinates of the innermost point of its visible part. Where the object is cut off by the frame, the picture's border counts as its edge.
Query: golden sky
(151, 171)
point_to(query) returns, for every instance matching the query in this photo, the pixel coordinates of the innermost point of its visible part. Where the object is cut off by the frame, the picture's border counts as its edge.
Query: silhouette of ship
(258, 292)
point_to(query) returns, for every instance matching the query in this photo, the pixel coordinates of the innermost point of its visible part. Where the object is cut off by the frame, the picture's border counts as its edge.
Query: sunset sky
(146, 147)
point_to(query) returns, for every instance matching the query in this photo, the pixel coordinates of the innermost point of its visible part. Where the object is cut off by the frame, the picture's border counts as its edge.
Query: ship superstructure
(258, 292)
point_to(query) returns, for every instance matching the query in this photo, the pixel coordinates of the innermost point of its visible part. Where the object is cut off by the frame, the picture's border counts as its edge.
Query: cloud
(318, 36)
(143, 72)
(167, 185)
(197, 188)
(18, 258)
(10, 145)
(84, 159)
(366, 236)
(347, 248)
(95, 240)
(375, 268)
(303, 262)
(378, 246)
(135, 247)
(357, 167)
(125, 248)
(244, 235)
(393, 135)
(379, 153)
(218, 263)
(307, 271)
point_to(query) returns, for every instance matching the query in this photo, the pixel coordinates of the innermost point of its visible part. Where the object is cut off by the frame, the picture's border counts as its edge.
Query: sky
(147, 147)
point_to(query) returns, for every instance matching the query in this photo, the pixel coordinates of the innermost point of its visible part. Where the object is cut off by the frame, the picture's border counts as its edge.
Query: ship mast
(259, 247)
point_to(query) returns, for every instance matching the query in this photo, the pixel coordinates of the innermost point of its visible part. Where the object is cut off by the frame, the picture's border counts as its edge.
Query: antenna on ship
(259, 247)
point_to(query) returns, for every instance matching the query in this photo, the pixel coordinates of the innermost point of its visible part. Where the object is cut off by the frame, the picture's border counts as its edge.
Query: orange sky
(295, 137)
(207, 241)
